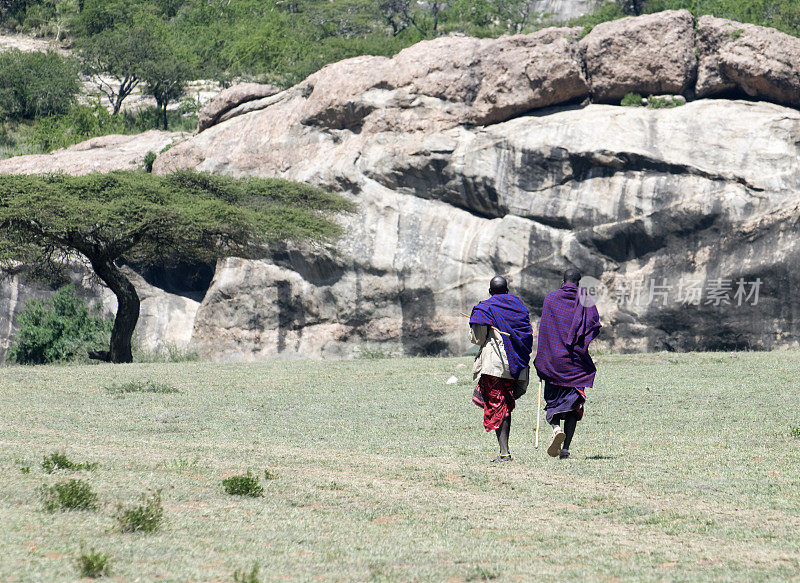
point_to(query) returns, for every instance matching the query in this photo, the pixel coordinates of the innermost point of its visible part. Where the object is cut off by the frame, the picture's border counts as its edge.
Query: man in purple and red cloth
(501, 327)
(569, 323)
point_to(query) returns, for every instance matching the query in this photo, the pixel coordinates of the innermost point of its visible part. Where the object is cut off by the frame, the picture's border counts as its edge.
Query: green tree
(144, 218)
(61, 328)
(167, 69)
(165, 77)
(124, 55)
(36, 84)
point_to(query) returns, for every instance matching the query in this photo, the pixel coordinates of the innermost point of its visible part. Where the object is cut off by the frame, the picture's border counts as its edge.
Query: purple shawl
(565, 331)
(508, 313)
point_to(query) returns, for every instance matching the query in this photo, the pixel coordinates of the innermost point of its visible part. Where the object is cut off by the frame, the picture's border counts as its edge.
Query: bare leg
(556, 422)
(502, 435)
(570, 422)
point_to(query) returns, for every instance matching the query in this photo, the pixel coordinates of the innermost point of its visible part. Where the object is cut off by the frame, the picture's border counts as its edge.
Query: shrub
(59, 329)
(167, 352)
(631, 100)
(147, 386)
(147, 163)
(68, 495)
(270, 475)
(145, 517)
(245, 485)
(78, 124)
(93, 564)
(149, 118)
(242, 576)
(795, 431)
(59, 461)
(654, 102)
(36, 84)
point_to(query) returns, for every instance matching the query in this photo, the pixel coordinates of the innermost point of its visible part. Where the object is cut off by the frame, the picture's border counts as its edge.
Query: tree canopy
(46, 220)
(36, 84)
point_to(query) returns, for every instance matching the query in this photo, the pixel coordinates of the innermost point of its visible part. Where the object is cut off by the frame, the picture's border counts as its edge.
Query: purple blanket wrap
(565, 331)
(508, 313)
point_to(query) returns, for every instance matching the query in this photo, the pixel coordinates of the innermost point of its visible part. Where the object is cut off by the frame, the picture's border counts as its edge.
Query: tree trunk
(127, 310)
(164, 115)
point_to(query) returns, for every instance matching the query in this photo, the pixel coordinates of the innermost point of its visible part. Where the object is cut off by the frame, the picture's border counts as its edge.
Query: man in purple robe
(569, 323)
(501, 327)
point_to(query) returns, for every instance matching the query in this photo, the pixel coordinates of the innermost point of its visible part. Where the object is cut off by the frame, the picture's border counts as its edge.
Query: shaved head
(572, 275)
(498, 285)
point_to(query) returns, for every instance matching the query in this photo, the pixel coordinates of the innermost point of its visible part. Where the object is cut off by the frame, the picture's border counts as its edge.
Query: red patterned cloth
(496, 396)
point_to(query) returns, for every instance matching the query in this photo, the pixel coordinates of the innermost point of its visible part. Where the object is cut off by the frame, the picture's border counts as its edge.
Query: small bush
(795, 431)
(147, 163)
(270, 475)
(78, 124)
(59, 461)
(245, 485)
(169, 352)
(242, 576)
(374, 353)
(68, 495)
(93, 564)
(631, 100)
(654, 102)
(144, 517)
(62, 328)
(147, 386)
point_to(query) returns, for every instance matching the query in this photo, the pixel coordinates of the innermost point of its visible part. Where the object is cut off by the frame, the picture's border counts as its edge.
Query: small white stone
(452, 380)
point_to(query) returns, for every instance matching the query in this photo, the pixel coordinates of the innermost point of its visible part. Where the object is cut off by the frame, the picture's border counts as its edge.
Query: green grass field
(685, 468)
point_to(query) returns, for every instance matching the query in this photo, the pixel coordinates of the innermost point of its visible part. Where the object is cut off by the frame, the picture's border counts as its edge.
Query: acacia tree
(121, 54)
(127, 216)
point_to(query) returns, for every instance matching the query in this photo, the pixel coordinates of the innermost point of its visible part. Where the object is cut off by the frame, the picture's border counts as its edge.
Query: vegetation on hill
(783, 15)
(158, 45)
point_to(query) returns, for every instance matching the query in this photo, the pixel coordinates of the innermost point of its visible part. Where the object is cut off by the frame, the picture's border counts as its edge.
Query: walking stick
(538, 415)
(492, 327)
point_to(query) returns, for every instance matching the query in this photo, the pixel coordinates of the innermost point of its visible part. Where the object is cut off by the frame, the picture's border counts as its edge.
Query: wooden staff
(538, 415)
(492, 327)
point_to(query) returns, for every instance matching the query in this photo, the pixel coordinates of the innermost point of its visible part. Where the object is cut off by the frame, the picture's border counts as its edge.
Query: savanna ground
(685, 468)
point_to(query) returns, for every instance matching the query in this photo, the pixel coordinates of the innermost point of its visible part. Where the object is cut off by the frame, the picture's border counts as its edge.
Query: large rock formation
(628, 195)
(652, 54)
(470, 157)
(230, 98)
(759, 62)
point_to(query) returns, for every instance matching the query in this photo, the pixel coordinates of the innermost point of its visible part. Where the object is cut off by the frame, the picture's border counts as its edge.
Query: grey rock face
(623, 193)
